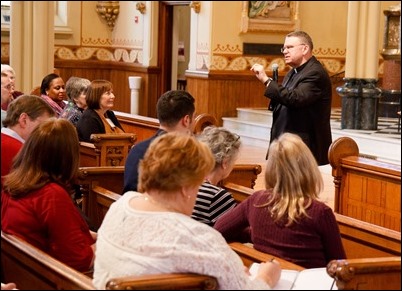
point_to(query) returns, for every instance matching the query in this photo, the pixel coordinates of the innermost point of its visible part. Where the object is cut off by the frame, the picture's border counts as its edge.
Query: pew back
(367, 274)
(33, 269)
(366, 240)
(243, 174)
(106, 149)
(365, 189)
(179, 281)
(360, 239)
(145, 127)
(250, 255)
(239, 192)
(110, 178)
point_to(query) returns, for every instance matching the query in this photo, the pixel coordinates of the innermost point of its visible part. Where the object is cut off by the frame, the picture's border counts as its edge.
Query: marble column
(360, 95)
(390, 101)
(31, 42)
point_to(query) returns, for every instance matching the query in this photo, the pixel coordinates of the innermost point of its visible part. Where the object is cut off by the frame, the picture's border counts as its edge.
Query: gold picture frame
(270, 16)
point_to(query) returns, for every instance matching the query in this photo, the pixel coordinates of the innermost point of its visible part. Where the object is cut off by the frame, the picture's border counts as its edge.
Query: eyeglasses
(289, 47)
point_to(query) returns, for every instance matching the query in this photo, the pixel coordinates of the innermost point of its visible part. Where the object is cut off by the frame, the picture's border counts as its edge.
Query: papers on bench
(307, 279)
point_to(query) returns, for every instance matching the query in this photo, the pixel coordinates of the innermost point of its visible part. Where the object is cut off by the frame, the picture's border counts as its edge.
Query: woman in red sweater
(36, 204)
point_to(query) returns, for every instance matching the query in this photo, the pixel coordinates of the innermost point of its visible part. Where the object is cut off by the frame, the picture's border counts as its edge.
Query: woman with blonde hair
(153, 233)
(287, 219)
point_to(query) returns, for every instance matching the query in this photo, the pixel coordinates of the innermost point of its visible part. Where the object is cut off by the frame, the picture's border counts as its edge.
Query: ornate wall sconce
(108, 10)
(140, 6)
(196, 5)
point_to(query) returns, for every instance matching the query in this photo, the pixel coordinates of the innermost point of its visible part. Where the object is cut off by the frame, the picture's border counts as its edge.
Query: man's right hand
(259, 72)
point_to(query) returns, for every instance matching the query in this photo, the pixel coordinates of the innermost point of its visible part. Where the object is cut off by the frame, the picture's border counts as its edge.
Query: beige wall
(325, 21)
(218, 31)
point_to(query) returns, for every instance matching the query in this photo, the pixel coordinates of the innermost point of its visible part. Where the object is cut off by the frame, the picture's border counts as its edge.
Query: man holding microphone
(302, 104)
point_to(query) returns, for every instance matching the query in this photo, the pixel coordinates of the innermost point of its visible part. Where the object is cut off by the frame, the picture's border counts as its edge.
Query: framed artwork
(5, 14)
(270, 16)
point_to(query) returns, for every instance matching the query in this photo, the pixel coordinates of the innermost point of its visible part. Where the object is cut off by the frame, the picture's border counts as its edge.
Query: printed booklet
(307, 279)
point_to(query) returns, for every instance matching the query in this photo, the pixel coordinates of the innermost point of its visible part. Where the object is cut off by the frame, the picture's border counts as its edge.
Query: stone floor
(386, 127)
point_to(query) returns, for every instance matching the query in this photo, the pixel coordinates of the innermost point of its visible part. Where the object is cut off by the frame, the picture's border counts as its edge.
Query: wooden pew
(110, 178)
(244, 175)
(250, 255)
(366, 240)
(365, 189)
(103, 199)
(360, 239)
(239, 192)
(178, 281)
(32, 269)
(106, 149)
(203, 120)
(145, 127)
(367, 274)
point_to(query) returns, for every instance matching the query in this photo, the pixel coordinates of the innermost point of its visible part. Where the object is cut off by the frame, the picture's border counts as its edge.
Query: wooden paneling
(107, 149)
(218, 93)
(366, 274)
(359, 238)
(365, 189)
(118, 74)
(32, 269)
(222, 93)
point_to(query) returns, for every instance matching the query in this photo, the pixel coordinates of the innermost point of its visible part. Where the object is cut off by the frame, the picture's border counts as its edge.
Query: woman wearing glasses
(302, 103)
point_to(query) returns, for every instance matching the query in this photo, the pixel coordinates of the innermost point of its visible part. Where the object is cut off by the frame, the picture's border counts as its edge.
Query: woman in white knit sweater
(152, 232)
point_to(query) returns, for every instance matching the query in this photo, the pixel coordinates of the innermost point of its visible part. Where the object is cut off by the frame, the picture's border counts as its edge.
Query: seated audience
(212, 200)
(8, 72)
(35, 202)
(153, 233)
(287, 219)
(6, 95)
(175, 110)
(23, 115)
(99, 117)
(76, 89)
(53, 91)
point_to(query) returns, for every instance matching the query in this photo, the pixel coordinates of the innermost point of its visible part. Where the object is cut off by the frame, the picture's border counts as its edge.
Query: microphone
(275, 72)
(272, 104)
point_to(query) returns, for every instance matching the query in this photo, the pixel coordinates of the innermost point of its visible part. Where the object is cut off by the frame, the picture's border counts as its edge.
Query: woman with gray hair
(76, 89)
(212, 200)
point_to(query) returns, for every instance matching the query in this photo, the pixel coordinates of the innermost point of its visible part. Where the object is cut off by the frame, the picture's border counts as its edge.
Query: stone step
(260, 115)
(251, 132)
(253, 125)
